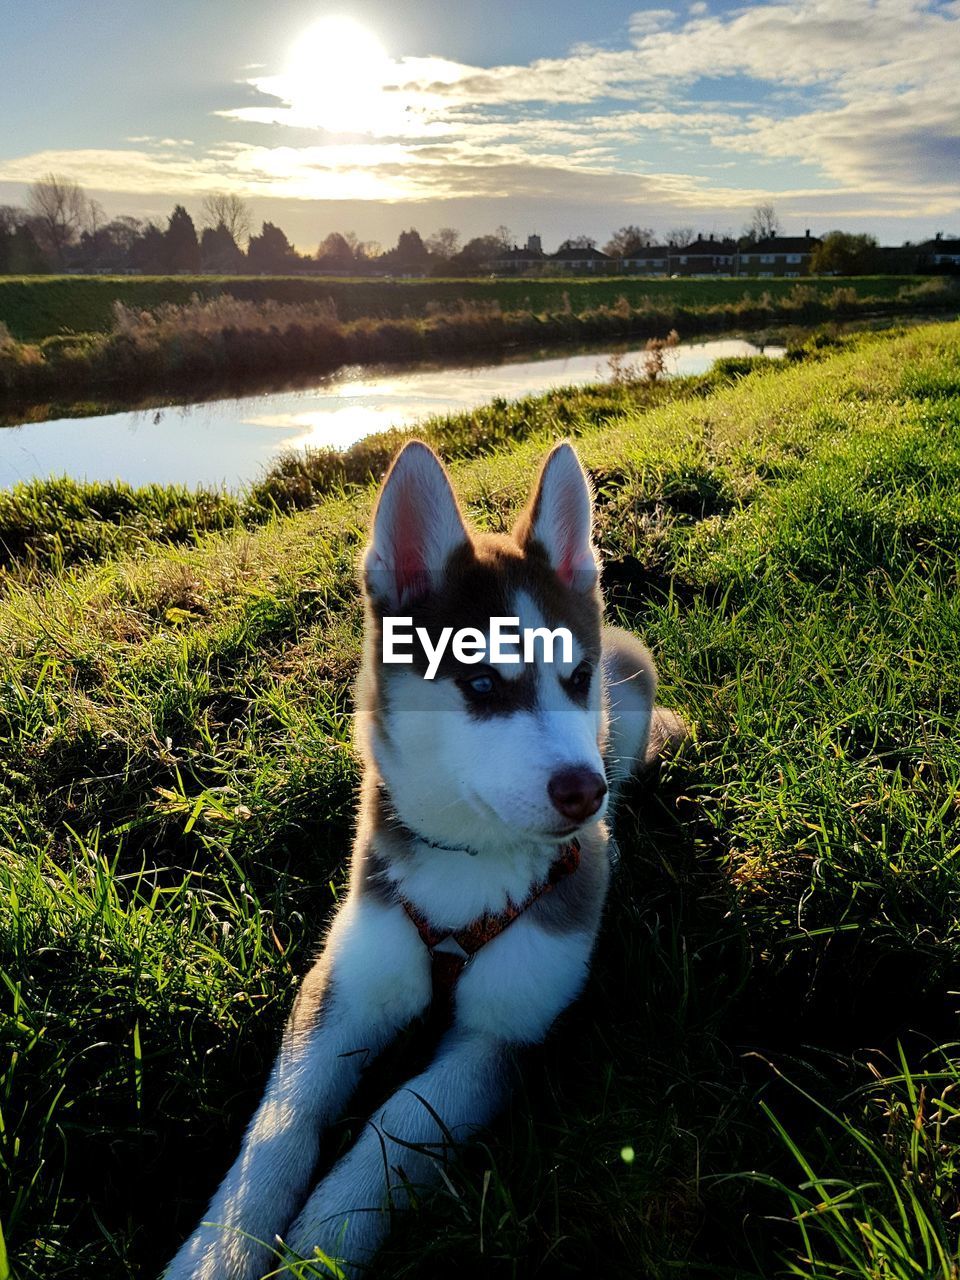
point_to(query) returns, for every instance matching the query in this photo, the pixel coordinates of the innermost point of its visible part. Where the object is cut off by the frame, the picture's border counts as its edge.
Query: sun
(337, 71)
(337, 44)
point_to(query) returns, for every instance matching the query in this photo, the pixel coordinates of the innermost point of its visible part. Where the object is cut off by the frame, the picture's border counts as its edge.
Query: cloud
(397, 98)
(876, 69)
(839, 104)
(647, 20)
(397, 173)
(848, 44)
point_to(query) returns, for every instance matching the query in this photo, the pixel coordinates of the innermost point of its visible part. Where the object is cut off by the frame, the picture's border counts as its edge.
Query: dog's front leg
(507, 997)
(348, 1216)
(371, 980)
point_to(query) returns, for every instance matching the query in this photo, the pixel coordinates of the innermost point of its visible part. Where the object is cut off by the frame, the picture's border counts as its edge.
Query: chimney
(807, 233)
(939, 235)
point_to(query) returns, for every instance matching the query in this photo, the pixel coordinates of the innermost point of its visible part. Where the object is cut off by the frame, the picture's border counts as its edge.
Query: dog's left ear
(560, 518)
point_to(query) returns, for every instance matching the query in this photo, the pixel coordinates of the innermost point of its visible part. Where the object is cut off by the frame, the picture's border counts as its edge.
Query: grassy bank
(210, 341)
(48, 524)
(36, 307)
(175, 802)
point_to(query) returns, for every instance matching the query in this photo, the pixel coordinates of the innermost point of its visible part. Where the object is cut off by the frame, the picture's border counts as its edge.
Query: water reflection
(230, 442)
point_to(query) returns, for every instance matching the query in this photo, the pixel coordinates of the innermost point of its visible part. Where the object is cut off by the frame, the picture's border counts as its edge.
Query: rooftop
(580, 255)
(782, 244)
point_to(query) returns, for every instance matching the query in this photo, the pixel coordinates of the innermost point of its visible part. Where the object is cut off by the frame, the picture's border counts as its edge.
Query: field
(763, 1078)
(37, 307)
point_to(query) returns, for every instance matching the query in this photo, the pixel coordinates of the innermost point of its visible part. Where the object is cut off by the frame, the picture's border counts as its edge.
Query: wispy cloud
(651, 20)
(830, 105)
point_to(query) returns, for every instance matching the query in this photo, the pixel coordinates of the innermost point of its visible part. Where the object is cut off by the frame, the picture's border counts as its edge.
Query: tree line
(60, 228)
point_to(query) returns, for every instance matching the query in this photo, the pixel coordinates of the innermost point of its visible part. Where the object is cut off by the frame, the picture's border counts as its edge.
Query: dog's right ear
(417, 526)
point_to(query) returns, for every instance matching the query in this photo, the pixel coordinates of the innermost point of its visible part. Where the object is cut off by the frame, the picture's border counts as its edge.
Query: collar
(438, 844)
(396, 824)
(451, 949)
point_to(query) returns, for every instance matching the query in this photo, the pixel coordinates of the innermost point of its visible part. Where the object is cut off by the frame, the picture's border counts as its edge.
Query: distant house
(531, 258)
(584, 261)
(649, 261)
(939, 254)
(703, 257)
(515, 261)
(777, 256)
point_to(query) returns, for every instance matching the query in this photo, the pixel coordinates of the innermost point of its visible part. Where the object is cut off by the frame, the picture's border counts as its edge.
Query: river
(231, 442)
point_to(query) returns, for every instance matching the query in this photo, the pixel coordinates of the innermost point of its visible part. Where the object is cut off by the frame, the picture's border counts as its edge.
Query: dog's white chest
(453, 888)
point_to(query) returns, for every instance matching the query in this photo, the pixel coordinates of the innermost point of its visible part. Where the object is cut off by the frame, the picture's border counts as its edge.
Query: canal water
(231, 442)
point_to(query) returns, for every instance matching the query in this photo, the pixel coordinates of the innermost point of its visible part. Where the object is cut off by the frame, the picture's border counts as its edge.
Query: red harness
(448, 965)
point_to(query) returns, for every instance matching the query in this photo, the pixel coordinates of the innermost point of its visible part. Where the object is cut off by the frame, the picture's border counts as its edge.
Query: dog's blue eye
(580, 680)
(478, 688)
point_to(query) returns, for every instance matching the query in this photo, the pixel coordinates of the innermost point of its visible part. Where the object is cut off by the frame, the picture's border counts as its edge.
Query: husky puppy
(479, 870)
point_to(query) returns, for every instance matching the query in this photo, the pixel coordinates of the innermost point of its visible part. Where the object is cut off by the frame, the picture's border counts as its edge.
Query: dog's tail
(668, 733)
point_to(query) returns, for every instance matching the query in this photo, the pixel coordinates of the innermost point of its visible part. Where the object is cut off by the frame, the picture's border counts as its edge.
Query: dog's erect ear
(417, 525)
(560, 519)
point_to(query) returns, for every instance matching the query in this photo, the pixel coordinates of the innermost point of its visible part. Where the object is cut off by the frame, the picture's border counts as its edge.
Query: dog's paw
(215, 1252)
(338, 1242)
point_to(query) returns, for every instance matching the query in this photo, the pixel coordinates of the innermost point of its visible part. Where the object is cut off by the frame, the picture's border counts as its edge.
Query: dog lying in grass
(480, 865)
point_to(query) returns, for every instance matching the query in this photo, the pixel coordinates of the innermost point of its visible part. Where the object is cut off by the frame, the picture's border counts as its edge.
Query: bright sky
(562, 118)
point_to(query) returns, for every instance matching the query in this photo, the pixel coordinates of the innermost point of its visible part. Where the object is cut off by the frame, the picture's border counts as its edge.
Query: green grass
(176, 790)
(35, 307)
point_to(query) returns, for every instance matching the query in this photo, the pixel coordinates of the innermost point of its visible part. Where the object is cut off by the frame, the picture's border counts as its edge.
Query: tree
(628, 241)
(367, 250)
(10, 218)
(113, 244)
(229, 210)
(148, 252)
(410, 253)
(475, 254)
(180, 244)
(271, 252)
(94, 217)
(410, 248)
(579, 242)
(680, 237)
(20, 254)
(841, 254)
(336, 253)
(219, 252)
(59, 206)
(97, 247)
(444, 243)
(91, 251)
(764, 224)
(124, 232)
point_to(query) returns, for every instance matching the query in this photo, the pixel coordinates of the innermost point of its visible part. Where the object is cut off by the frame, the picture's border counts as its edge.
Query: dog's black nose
(577, 793)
